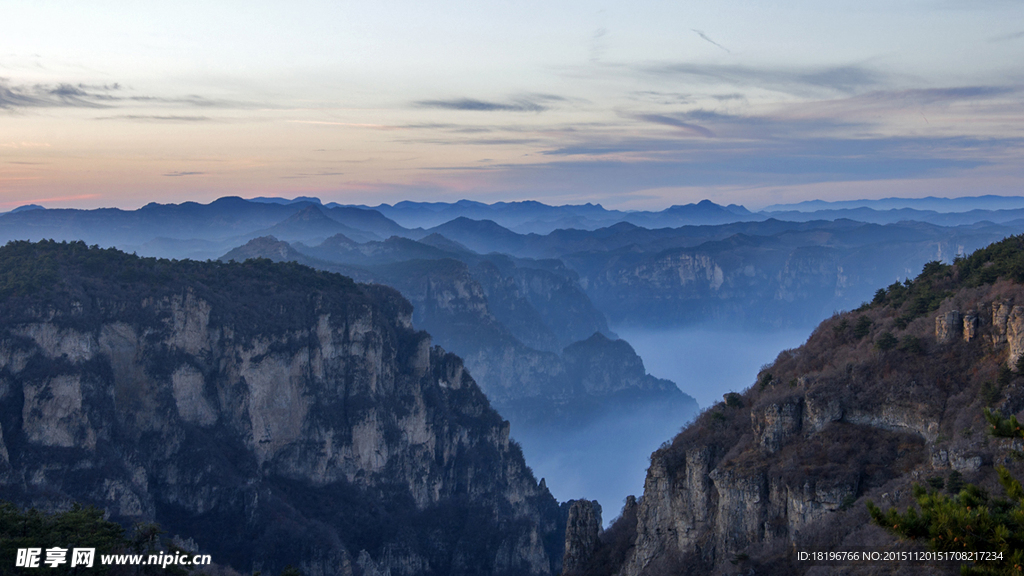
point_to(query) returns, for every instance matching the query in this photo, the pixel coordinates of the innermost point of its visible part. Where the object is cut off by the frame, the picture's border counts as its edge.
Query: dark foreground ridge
(271, 413)
(878, 400)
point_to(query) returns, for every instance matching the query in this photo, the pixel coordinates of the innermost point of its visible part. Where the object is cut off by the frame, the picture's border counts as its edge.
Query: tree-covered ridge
(77, 284)
(937, 281)
(1000, 260)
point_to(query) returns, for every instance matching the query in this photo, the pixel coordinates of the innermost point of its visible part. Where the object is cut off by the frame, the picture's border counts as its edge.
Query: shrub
(969, 521)
(862, 327)
(733, 400)
(886, 342)
(912, 345)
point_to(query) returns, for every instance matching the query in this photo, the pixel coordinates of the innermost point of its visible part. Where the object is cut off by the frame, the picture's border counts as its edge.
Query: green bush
(862, 327)
(969, 521)
(886, 342)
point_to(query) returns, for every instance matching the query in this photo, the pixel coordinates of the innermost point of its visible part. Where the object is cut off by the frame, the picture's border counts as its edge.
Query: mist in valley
(607, 460)
(706, 362)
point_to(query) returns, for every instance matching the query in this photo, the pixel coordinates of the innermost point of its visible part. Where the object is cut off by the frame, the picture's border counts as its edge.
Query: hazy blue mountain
(962, 204)
(481, 236)
(508, 214)
(225, 219)
(702, 213)
(312, 224)
(538, 218)
(535, 217)
(342, 249)
(446, 244)
(783, 272)
(27, 207)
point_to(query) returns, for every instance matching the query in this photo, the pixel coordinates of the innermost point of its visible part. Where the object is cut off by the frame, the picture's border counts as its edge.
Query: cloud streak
(66, 95)
(705, 36)
(692, 129)
(53, 96)
(155, 118)
(847, 79)
(524, 104)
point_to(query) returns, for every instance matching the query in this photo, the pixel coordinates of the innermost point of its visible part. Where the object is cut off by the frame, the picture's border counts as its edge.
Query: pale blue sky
(658, 103)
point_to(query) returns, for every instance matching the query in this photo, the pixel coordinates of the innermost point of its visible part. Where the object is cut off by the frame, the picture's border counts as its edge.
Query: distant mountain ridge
(628, 268)
(930, 203)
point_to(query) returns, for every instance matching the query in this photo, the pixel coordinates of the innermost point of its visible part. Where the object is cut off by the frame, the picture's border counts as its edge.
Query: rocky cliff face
(877, 399)
(271, 413)
(581, 535)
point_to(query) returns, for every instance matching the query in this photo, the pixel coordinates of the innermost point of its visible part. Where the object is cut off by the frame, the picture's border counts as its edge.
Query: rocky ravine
(878, 399)
(272, 413)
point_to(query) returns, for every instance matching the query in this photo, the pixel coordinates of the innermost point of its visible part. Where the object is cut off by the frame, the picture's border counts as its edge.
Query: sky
(635, 107)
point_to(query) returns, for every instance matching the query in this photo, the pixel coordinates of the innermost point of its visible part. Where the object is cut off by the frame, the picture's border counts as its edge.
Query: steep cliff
(272, 413)
(878, 399)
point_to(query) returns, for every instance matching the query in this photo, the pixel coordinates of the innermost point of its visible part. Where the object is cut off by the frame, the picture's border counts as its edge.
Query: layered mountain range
(687, 264)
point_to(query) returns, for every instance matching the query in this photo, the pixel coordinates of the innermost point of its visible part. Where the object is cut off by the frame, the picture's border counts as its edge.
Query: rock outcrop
(271, 413)
(581, 535)
(947, 327)
(1015, 335)
(971, 321)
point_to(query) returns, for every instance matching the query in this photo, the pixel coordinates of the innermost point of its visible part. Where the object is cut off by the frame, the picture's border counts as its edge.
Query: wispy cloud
(598, 44)
(176, 174)
(66, 95)
(692, 129)
(192, 100)
(535, 103)
(932, 95)
(51, 96)
(311, 175)
(847, 79)
(155, 118)
(982, 99)
(349, 124)
(705, 36)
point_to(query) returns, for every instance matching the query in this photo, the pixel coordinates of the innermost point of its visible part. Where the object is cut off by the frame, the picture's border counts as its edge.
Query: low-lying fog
(608, 460)
(708, 362)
